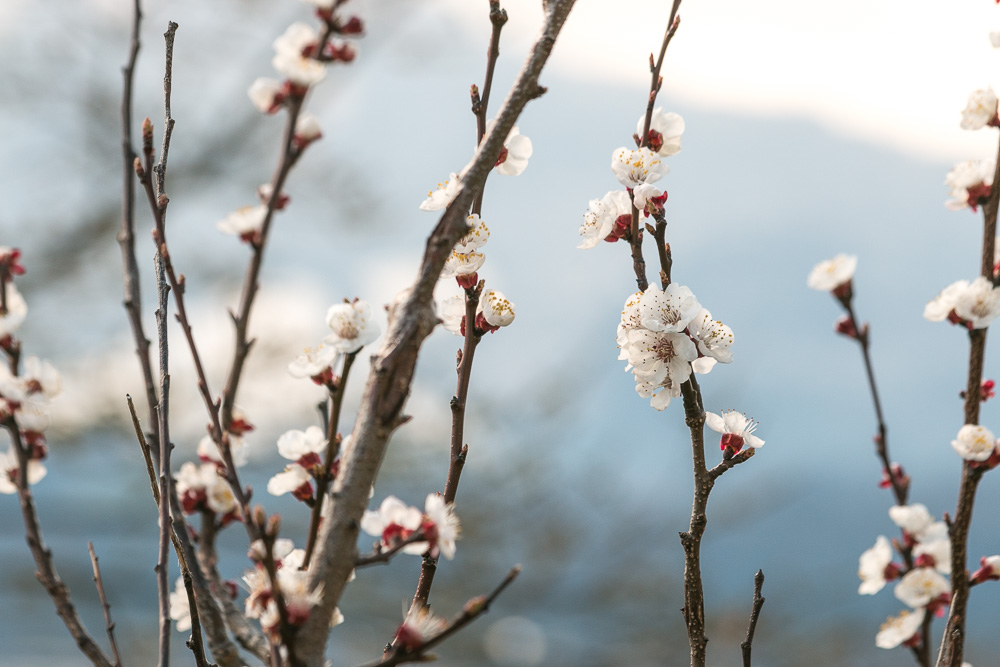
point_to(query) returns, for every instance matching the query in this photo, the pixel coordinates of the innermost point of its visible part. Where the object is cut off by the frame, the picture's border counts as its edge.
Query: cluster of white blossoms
(352, 325)
(971, 304)
(305, 449)
(512, 161)
(610, 217)
(292, 580)
(394, 522)
(969, 182)
(664, 335)
(25, 398)
(923, 588)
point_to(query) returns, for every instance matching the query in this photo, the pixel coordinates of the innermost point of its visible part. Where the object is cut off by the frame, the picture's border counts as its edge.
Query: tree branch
(411, 319)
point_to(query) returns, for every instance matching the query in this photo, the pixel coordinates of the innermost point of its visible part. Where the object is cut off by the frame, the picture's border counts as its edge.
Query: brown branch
(46, 573)
(162, 567)
(758, 602)
(473, 609)
(694, 599)
(411, 319)
(459, 450)
(126, 236)
(168, 122)
(336, 401)
(654, 68)
(498, 17)
(99, 583)
(380, 556)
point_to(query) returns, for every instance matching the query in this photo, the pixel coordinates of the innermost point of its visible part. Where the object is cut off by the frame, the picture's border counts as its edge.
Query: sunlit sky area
(892, 73)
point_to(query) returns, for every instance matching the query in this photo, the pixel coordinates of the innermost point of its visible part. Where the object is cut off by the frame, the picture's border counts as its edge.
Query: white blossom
(670, 127)
(669, 310)
(497, 310)
(914, 519)
(980, 110)
(736, 429)
(974, 442)
(898, 629)
(517, 149)
(968, 183)
(443, 523)
(871, 566)
(353, 326)
(634, 166)
(462, 264)
(10, 469)
(714, 340)
(443, 195)
(17, 310)
(208, 451)
(601, 215)
(313, 361)
(830, 274)
(476, 237)
(244, 222)
(451, 311)
(920, 586)
(264, 94)
(307, 128)
(977, 303)
(180, 609)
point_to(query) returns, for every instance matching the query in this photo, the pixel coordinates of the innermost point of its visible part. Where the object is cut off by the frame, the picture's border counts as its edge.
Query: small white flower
(669, 310)
(641, 165)
(974, 442)
(264, 94)
(292, 479)
(643, 196)
(41, 376)
(736, 429)
(208, 451)
(517, 149)
(914, 519)
(307, 128)
(180, 609)
(296, 39)
(244, 222)
(451, 311)
(599, 220)
(476, 238)
(669, 127)
(980, 110)
(17, 310)
(977, 303)
(296, 444)
(9, 470)
(920, 586)
(871, 566)
(313, 361)
(898, 629)
(937, 549)
(462, 264)
(969, 184)
(353, 326)
(830, 274)
(656, 356)
(497, 310)
(443, 195)
(299, 69)
(394, 522)
(419, 626)
(444, 525)
(659, 395)
(714, 339)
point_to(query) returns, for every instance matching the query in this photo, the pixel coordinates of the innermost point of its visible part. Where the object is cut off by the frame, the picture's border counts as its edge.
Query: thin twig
(99, 583)
(459, 450)
(473, 609)
(46, 573)
(162, 567)
(654, 69)
(168, 122)
(411, 319)
(758, 602)
(336, 402)
(480, 104)
(126, 236)
(380, 556)
(694, 599)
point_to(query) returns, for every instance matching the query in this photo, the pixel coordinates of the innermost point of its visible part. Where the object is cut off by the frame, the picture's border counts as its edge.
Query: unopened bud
(475, 606)
(139, 171)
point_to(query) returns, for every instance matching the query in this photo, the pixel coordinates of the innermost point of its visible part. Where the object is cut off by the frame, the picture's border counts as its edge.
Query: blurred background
(811, 130)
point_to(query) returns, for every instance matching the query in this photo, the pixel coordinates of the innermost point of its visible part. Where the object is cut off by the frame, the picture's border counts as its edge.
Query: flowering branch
(953, 642)
(411, 319)
(104, 604)
(758, 602)
(400, 654)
